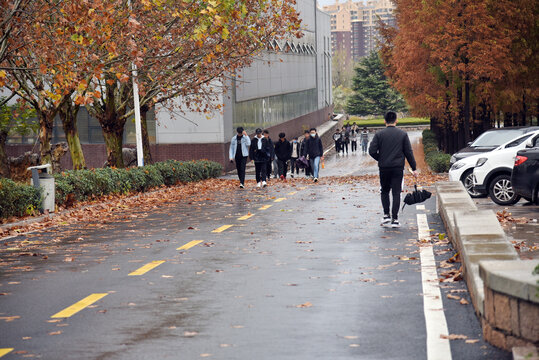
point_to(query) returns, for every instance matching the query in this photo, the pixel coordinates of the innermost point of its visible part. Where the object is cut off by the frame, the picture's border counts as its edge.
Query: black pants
(338, 146)
(241, 162)
(344, 147)
(268, 168)
(391, 180)
(354, 146)
(294, 166)
(260, 168)
(283, 167)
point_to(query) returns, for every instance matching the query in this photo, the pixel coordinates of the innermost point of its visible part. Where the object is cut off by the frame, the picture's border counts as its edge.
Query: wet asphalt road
(313, 276)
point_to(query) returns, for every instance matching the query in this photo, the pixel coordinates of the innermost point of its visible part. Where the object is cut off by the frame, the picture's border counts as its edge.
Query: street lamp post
(136, 104)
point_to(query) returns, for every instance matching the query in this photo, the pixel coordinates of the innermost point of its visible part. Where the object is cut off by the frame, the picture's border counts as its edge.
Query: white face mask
(313, 135)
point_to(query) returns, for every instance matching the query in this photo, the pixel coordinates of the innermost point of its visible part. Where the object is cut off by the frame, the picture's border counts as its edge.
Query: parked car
(525, 178)
(462, 171)
(490, 140)
(492, 171)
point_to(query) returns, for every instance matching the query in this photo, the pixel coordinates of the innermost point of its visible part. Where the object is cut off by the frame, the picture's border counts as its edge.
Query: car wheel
(501, 191)
(467, 181)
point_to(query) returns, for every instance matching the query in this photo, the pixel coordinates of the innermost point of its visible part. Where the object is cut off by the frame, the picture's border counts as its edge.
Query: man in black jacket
(315, 152)
(260, 152)
(272, 156)
(283, 151)
(390, 147)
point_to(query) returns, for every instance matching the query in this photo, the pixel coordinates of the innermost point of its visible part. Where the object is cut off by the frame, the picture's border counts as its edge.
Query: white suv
(492, 172)
(462, 171)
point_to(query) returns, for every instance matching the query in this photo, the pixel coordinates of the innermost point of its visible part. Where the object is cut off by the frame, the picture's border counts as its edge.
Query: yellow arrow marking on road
(265, 207)
(5, 351)
(280, 199)
(144, 269)
(292, 193)
(222, 228)
(189, 245)
(78, 306)
(245, 217)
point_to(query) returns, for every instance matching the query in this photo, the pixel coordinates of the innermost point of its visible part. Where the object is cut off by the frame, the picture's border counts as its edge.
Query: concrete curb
(504, 292)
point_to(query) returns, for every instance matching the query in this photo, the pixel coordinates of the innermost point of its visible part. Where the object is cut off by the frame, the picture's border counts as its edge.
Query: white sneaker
(259, 184)
(264, 184)
(242, 186)
(315, 179)
(395, 223)
(386, 220)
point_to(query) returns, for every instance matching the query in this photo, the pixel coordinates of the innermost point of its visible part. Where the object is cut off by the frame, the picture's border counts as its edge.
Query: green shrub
(18, 199)
(88, 184)
(437, 160)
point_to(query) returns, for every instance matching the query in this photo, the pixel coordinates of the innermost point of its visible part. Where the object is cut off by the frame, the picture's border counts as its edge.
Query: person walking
(353, 141)
(239, 153)
(345, 139)
(296, 153)
(315, 152)
(337, 137)
(303, 150)
(283, 152)
(364, 139)
(260, 152)
(390, 147)
(272, 156)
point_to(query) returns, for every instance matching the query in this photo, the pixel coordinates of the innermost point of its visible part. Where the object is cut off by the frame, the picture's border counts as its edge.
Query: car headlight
(453, 159)
(457, 165)
(481, 162)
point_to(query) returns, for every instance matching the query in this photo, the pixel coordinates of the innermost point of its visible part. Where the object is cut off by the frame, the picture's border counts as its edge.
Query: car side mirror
(470, 143)
(530, 143)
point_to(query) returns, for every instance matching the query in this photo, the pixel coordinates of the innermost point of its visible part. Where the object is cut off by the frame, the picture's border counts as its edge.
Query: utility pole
(136, 104)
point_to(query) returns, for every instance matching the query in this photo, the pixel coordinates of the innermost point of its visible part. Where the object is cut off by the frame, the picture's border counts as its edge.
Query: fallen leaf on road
(453, 337)
(190, 333)
(205, 355)
(354, 345)
(472, 341)
(224, 345)
(26, 337)
(68, 259)
(463, 301)
(454, 297)
(167, 276)
(350, 337)
(238, 326)
(304, 305)
(55, 332)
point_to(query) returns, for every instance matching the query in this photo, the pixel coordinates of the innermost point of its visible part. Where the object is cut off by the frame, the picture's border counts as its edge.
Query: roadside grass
(380, 121)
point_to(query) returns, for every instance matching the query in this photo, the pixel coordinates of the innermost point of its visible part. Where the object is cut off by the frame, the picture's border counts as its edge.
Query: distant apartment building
(354, 25)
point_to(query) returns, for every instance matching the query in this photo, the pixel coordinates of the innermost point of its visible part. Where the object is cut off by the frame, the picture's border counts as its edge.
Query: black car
(490, 140)
(525, 176)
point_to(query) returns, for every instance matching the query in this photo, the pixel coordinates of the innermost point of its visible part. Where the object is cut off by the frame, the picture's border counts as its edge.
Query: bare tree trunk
(145, 136)
(68, 113)
(4, 165)
(46, 122)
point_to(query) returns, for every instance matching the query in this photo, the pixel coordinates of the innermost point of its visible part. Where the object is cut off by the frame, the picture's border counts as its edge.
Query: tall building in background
(353, 25)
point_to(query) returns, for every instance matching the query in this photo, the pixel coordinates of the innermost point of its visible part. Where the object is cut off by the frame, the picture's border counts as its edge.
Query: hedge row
(88, 184)
(18, 199)
(437, 160)
(77, 185)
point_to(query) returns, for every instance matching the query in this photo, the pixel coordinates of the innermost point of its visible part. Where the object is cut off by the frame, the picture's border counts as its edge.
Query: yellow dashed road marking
(5, 351)
(279, 199)
(222, 228)
(292, 193)
(189, 245)
(144, 269)
(265, 207)
(245, 217)
(78, 306)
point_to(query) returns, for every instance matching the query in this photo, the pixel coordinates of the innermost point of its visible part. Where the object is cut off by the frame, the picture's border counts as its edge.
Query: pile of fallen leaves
(114, 206)
(505, 217)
